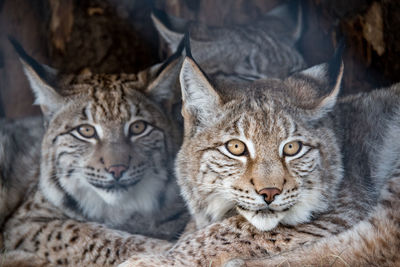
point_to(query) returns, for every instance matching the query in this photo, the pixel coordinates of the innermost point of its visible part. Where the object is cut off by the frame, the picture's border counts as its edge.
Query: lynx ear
(41, 77)
(164, 87)
(329, 75)
(291, 13)
(173, 38)
(200, 100)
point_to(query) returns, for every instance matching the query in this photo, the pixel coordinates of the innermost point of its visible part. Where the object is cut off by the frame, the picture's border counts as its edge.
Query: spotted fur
(330, 196)
(79, 196)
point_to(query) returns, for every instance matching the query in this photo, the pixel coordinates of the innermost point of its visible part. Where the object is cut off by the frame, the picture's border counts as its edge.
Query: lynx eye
(87, 131)
(236, 147)
(137, 127)
(292, 148)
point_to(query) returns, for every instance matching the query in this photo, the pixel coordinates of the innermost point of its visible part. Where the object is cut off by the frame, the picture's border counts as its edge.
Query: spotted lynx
(106, 161)
(278, 164)
(264, 49)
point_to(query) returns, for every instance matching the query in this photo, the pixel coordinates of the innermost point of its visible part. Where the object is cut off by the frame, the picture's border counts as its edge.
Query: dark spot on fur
(19, 243)
(74, 238)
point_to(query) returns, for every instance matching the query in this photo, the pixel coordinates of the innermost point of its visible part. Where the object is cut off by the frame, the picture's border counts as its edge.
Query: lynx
(263, 49)
(282, 163)
(105, 163)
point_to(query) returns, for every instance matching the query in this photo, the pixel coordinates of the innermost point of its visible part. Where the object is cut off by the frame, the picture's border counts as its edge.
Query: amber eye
(292, 148)
(236, 147)
(137, 127)
(87, 131)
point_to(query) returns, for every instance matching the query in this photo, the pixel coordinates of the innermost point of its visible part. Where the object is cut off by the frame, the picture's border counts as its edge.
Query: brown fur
(69, 215)
(356, 122)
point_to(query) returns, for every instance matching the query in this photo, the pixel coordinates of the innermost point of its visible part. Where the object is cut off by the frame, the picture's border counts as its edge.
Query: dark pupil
(236, 146)
(290, 146)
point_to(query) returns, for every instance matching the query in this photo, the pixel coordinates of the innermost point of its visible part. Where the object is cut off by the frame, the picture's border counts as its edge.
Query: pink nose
(269, 193)
(117, 170)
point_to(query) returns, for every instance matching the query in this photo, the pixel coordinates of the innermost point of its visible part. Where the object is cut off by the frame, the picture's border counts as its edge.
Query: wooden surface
(118, 36)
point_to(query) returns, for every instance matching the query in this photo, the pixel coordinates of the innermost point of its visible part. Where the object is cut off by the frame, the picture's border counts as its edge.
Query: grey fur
(263, 49)
(20, 142)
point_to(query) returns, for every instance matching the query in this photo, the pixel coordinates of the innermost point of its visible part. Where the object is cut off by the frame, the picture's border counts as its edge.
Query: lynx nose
(117, 170)
(269, 193)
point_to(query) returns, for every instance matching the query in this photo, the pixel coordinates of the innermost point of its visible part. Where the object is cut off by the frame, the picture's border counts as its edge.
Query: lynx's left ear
(329, 75)
(42, 79)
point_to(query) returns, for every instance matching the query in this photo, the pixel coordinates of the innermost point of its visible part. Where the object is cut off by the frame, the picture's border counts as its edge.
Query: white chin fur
(262, 221)
(302, 211)
(111, 198)
(112, 207)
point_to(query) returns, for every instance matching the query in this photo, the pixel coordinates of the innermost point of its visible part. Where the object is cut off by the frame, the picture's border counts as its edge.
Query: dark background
(111, 36)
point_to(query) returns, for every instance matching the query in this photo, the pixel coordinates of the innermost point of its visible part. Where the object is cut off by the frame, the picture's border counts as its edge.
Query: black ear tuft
(160, 15)
(37, 67)
(335, 63)
(186, 40)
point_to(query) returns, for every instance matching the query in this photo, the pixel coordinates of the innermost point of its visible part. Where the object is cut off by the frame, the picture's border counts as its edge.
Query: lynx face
(110, 140)
(267, 151)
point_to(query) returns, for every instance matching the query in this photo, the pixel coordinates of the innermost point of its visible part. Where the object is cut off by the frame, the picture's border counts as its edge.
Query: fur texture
(263, 49)
(263, 116)
(106, 160)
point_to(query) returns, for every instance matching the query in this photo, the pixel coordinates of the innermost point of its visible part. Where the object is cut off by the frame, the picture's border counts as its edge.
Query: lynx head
(267, 150)
(109, 143)
(263, 49)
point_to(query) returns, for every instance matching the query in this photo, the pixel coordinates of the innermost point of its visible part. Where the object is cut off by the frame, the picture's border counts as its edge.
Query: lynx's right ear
(41, 77)
(200, 100)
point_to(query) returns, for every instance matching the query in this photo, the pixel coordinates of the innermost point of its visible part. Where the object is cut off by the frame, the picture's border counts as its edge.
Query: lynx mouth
(115, 185)
(266, 210)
